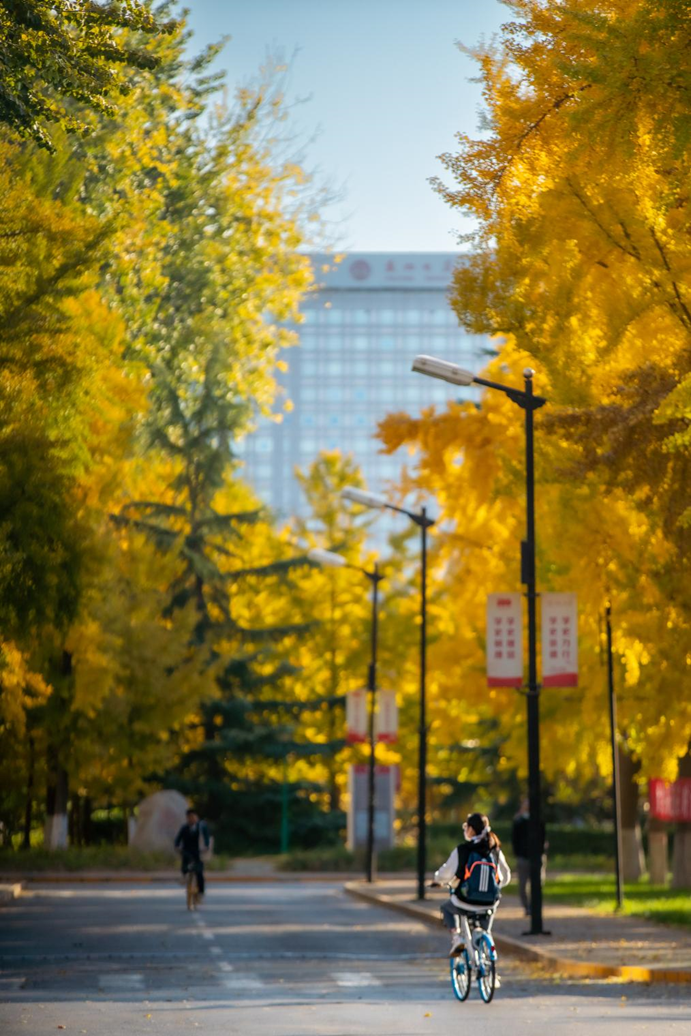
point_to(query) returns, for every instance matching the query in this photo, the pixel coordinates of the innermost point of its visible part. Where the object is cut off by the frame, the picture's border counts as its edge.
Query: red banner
(671, 802)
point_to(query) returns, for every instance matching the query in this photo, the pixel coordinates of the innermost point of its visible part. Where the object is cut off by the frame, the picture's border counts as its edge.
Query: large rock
(160, 817)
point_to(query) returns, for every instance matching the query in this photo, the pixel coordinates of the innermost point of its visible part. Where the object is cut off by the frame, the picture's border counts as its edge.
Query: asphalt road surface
(283, 959)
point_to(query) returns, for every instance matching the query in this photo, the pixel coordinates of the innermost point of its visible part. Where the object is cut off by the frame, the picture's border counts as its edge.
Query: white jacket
(447, 872)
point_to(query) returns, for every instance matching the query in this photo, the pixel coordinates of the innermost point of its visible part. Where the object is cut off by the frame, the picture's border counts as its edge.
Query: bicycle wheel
(460, 975)
(486, 968)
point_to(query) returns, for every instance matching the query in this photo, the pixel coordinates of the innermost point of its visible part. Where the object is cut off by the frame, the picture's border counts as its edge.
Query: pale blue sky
(388, 88)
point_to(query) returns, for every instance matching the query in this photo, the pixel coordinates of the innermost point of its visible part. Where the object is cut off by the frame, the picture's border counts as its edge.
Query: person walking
(192, 839)
(520, 841)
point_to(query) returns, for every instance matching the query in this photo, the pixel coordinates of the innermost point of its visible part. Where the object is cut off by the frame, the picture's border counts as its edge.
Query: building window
(360, 395)
(263, 444)
(360, 342)
(360, 368)
(333, 394)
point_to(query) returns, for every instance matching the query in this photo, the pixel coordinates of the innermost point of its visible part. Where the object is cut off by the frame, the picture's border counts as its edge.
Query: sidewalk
(581, 943)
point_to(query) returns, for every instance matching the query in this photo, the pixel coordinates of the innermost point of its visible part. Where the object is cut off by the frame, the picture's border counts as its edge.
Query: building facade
(372, 314)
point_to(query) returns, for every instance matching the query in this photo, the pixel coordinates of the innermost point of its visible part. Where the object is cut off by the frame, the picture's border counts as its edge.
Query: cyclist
(188, 842)
(480, 840)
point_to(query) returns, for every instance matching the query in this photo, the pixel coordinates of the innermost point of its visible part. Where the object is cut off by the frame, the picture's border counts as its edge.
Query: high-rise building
(372, 314)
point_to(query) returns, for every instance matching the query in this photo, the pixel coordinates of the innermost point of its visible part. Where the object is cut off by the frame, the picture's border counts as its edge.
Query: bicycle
(478, 954)
(484, 959)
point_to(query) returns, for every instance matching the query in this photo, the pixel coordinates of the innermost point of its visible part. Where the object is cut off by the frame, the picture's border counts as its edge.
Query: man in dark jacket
(191, 839)
(520, 840)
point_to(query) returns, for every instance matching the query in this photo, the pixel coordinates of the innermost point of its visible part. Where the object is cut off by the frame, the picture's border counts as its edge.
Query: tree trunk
(658, 851)
(29, 802)
(86, 820)
(631, 841)
(681, 857)
(57, 790)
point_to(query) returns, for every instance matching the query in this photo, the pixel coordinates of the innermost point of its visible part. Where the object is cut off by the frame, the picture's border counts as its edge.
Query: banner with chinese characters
(559, 640)
(504, 640)
(386, 721)
(356, 716)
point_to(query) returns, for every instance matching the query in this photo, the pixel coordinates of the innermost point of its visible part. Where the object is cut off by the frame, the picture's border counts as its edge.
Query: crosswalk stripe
(121, 983)
(355, 978)
(239, 983)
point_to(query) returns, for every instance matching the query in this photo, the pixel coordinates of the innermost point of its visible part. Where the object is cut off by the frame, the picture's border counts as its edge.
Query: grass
(95, 857)
(598, 892)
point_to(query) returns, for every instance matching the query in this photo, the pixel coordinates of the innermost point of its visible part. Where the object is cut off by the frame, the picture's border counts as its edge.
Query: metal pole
(533, 699)
(372, 686)
(422, 746)
(616, 789)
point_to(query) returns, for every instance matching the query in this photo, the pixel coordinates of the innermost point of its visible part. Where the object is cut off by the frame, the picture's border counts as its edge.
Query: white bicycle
(479, 955)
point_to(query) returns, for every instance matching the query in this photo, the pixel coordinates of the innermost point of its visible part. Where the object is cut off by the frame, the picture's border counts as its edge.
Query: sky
(388, 90)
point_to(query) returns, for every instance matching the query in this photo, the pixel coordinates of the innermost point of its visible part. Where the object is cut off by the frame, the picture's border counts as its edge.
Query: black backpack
(478, 881)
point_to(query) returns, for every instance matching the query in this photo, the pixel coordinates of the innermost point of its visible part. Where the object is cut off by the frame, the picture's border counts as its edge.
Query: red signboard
(671, 802)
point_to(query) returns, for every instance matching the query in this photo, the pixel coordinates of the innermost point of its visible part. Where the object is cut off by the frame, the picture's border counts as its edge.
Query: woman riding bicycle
(476, 870)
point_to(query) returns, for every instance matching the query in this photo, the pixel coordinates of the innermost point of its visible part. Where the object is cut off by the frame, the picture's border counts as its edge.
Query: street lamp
(366, 499)
(528, 402)
(329, 557)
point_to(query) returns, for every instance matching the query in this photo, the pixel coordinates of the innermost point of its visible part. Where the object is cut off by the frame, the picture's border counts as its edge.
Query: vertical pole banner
(386, 723)
(356, 716)
(504, 640)
(384, 802)
(559, 640)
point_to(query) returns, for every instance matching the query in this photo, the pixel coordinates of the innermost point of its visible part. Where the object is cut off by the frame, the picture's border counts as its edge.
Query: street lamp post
(529, 403)
(329, 557)
(421, 519)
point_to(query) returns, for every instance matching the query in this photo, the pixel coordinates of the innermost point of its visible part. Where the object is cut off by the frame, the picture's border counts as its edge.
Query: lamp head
(362, 497)
(443, 370)
(326, 557)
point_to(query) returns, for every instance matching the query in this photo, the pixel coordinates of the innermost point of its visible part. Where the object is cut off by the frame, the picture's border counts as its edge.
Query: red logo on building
(360, 270)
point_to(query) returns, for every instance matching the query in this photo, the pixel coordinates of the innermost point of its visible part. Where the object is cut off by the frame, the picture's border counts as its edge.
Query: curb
(10, 892)
(80, 877)
(514, 948)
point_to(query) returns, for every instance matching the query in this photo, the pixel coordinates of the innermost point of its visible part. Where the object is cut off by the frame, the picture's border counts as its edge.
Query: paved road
(281, 960)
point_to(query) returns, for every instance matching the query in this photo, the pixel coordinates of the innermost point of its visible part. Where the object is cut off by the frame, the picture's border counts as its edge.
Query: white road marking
(7, 983)
(225, 966)
(121, 983)
(206, 934)
(238, 983)
(355, 978)
(216, 949)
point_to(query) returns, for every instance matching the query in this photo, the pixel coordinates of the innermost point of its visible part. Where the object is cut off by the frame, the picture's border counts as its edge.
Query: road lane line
(355, 978)
(126, 982)
(206, 934)
(225, 966)
(216, 949)
(240, 983)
